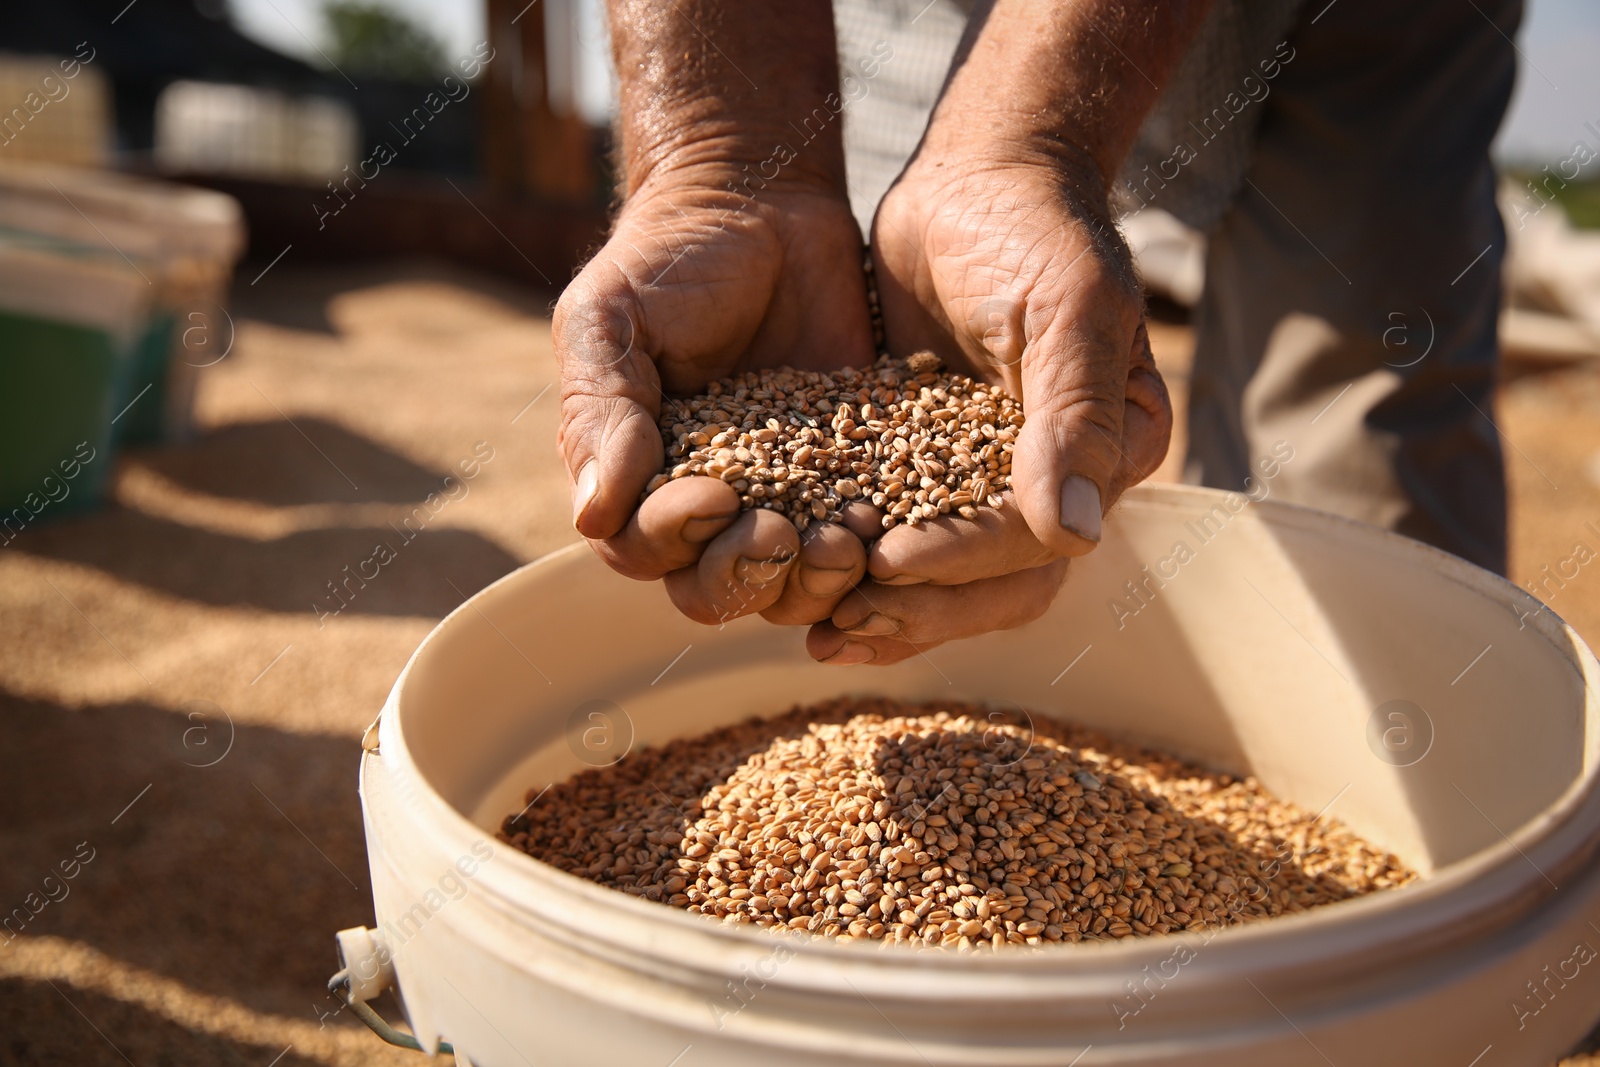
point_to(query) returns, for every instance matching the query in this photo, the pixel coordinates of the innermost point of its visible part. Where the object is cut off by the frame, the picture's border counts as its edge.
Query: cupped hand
(697, 282)
(1010, 270)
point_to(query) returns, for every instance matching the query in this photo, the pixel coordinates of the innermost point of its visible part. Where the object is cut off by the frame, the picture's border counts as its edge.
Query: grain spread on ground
(902, 436)
(943, 824)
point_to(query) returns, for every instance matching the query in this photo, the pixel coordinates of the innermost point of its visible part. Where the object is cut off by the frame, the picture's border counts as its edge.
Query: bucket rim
(1489, 891)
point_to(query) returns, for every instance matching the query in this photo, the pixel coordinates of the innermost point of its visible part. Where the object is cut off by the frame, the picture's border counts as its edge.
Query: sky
(296, 27)
(1558, 86)
(293, 25)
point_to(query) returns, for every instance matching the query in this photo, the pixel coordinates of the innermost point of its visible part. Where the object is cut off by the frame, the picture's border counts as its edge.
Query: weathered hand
(698, 282)
(1010, 270)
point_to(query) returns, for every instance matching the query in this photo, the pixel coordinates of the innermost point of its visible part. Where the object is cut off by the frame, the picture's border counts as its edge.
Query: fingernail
(900, 579)
(697, 531)
(875, 625)
(821, 581)
(583, 495)
(852, 652)
(1080, 507)
(757, 572)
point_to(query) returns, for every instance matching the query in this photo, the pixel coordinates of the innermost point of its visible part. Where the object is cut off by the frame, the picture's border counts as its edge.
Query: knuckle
(890, 652)
(1087, 426)
(593, 331)
(687, 598)
(1037, 595)
(586, 415)
(630, 565)
(797, 612)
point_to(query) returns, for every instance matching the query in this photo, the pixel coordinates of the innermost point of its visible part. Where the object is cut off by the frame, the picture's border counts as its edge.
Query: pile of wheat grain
(943, 824)
(905, 437)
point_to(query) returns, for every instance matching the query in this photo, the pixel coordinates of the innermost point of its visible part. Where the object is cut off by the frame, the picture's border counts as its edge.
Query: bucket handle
(361, 948)
(339, 986)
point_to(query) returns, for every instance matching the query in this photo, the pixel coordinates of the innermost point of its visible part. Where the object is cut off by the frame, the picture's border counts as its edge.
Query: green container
(182, 242)
(146, 391)
(59, 381)
(69, 318)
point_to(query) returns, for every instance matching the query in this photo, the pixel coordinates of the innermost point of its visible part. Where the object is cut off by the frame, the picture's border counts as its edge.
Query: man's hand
(697, 283)
(734, 249)
(996, 250)
(1009, 272)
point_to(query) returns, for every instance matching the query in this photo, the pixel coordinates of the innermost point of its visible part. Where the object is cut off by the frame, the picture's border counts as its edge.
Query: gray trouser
(1353, 285)
(1353, 270)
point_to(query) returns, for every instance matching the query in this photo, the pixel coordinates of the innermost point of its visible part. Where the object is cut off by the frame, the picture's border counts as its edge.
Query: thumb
(610, 400)
(1065, 462)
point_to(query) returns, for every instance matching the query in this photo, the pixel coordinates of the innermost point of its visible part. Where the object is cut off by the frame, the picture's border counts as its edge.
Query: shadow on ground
(230, 878)
(121, 1033)
(377, 570)
(283, 463)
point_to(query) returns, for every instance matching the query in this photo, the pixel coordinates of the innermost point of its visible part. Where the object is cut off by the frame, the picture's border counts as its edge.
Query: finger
(863, 520)
(610, 399)
(885, 624)
(744, 569)
(1074, 378)
(832, 560)
(1146, 417)
(951, 550)
(671, 528)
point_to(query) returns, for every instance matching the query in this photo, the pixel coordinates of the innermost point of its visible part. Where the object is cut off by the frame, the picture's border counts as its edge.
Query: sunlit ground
(204, 591)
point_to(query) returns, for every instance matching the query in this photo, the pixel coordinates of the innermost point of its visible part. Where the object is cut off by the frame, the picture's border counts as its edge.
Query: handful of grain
(942, 824)
(901, 436)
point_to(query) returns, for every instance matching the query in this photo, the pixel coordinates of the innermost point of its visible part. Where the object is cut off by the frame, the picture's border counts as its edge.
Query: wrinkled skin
(697, 283)
(1007, 272)
(1010, 273)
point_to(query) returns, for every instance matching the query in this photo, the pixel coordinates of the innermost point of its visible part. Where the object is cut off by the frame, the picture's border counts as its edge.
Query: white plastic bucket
(1277, 646)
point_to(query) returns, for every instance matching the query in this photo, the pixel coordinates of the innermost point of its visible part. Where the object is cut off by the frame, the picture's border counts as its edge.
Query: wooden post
(529, 150)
